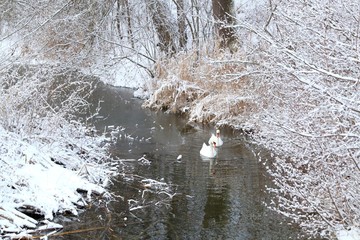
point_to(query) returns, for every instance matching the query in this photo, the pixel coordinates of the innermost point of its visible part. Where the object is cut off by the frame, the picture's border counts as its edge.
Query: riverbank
(51, 161)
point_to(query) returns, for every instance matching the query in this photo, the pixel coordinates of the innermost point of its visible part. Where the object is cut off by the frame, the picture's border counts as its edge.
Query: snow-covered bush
(308, 103)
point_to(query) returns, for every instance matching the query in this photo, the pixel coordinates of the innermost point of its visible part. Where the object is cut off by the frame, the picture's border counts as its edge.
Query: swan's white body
(208, 151)
(216, 139)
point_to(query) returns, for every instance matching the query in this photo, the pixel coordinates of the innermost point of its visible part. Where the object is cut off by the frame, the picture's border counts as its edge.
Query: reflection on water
(215, 199)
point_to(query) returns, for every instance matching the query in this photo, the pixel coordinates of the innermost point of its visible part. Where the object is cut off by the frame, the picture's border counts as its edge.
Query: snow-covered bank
(32, 182)
(31, 179)
(51, 162)
(39, 187)
(213, 92)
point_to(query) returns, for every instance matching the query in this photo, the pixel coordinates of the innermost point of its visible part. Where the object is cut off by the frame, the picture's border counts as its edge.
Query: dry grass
(209, 87)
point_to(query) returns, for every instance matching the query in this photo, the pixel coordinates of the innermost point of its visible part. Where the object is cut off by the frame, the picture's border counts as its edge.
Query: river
(218, 199)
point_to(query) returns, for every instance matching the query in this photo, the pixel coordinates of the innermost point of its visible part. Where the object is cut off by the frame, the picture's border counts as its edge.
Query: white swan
(208, 150)
(216, 139)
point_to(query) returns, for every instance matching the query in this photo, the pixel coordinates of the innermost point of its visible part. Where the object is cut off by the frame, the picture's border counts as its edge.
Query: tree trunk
(122, 6)
(128, 18)
(162, 23)
(181, 23)
(222, 12)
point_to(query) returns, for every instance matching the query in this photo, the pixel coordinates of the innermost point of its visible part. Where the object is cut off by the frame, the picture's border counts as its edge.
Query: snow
(352, 234)
(124, 74)
(58, 183)
(29, 178)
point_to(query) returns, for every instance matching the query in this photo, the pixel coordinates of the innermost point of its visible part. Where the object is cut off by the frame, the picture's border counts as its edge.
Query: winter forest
(284, 72)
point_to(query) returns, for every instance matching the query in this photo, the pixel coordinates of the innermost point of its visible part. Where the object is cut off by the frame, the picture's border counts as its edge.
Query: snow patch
(352, 234)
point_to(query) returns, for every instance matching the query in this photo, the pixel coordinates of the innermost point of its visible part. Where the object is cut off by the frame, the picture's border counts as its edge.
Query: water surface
(213, 199)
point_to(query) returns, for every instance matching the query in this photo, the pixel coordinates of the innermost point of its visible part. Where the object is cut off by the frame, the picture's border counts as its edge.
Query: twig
(352, 157)
(123, 46)
(72, 232)
(337, 209)
(317, 211)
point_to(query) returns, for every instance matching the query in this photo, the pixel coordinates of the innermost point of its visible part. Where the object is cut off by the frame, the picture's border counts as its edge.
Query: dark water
(217, 199)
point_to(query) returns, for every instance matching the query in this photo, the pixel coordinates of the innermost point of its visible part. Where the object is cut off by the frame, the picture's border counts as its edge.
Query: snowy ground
(30, 180)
